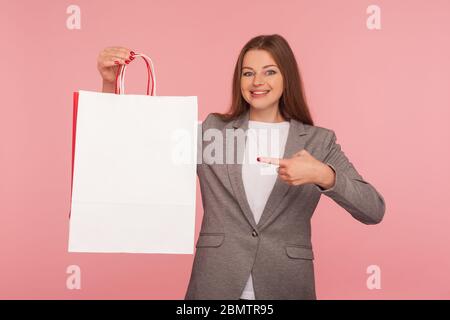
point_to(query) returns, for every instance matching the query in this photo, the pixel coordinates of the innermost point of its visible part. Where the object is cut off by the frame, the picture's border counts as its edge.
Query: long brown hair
(292, 103)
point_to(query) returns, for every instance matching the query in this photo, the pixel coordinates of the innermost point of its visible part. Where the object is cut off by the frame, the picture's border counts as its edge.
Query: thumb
(301, 153)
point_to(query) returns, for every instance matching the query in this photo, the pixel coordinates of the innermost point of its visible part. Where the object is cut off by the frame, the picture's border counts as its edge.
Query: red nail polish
(132, 53)
(131, 57)
(257, 159)
(116, 62)
(127, 61)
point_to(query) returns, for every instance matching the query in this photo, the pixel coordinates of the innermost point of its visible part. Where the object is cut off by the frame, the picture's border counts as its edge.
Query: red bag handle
(120, 77)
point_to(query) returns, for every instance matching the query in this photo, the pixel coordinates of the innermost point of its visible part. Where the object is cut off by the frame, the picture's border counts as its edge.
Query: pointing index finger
(274, 161)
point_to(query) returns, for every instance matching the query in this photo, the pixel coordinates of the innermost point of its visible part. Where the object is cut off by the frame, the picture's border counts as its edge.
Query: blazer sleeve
(351, 191)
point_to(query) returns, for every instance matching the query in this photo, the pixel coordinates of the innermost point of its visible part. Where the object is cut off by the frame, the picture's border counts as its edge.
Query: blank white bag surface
(129, 194)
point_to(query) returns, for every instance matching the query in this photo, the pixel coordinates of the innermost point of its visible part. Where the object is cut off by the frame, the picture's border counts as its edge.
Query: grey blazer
(278, 249)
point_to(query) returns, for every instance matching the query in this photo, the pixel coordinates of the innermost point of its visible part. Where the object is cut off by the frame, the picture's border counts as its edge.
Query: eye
(245, 74)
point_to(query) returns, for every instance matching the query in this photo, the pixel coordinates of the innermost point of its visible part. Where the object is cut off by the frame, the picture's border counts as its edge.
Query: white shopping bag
(134, 171)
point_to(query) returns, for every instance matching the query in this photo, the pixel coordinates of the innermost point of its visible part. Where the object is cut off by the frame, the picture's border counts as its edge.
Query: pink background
(384, 92)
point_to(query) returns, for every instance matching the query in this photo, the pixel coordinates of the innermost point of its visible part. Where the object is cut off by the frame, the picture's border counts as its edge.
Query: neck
(266, 115)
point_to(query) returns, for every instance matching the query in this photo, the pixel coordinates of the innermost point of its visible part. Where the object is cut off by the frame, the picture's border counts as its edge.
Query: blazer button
(254, 233)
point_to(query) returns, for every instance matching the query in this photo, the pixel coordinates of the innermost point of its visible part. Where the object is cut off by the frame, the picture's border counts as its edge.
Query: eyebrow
(270, 65)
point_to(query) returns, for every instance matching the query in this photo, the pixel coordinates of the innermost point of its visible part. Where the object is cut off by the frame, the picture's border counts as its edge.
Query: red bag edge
(74, 132)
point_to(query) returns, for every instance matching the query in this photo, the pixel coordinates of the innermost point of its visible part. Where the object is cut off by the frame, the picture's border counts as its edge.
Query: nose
(258, 80)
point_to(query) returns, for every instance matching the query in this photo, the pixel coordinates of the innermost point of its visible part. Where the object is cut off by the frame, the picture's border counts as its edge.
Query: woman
(255, 238)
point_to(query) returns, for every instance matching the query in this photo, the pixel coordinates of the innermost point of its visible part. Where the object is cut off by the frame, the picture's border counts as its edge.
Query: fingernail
(257, 159)
(132, 53)
(127, 61)
(116, 62)
(131, 57)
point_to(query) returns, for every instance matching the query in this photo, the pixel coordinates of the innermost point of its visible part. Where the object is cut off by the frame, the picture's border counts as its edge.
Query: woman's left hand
(303, 168)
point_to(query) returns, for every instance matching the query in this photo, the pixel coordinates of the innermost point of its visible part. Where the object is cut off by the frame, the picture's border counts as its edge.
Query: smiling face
(261, 80)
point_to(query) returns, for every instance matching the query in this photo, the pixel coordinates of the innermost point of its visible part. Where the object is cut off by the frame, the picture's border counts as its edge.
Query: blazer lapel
(295, 142)
(235, 169)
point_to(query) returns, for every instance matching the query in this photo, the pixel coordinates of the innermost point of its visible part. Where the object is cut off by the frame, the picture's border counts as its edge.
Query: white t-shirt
(264, 139)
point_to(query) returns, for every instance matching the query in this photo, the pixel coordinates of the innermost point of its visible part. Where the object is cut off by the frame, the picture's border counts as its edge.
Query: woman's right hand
(108, 62)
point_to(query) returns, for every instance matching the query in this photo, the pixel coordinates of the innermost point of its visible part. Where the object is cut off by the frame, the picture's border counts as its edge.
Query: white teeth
(259, 92)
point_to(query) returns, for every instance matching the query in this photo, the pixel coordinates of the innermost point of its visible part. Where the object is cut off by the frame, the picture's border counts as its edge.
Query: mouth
(259, 93)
